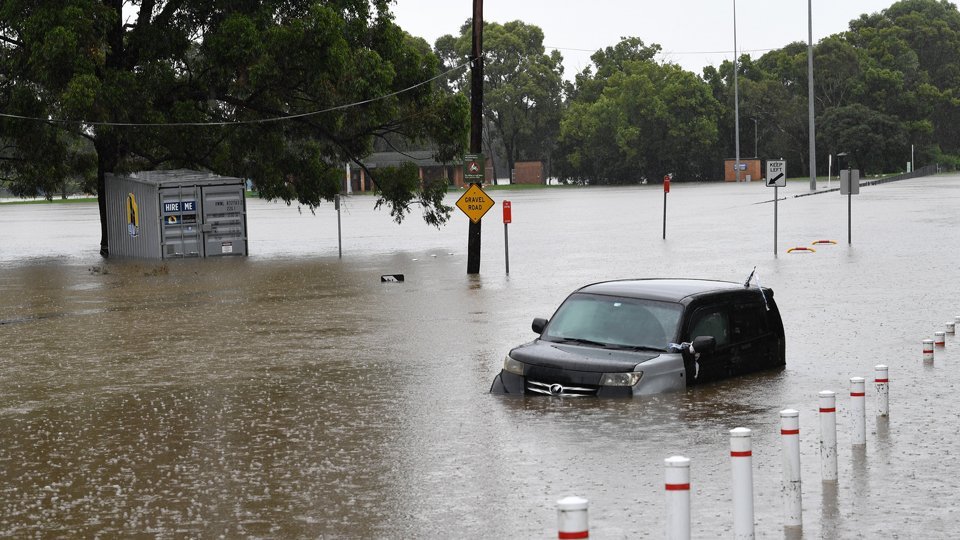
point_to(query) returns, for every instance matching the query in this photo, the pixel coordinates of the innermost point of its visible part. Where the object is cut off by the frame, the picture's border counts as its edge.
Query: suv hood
(579, 357)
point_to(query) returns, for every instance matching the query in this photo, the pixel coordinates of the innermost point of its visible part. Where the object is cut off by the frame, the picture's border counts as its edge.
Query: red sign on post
(666, 184)
(507, 212)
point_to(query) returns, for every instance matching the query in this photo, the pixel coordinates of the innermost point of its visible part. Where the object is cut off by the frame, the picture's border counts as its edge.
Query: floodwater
(291, 394)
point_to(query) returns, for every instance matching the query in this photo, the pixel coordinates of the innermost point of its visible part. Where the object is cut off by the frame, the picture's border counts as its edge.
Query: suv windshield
(614, 321)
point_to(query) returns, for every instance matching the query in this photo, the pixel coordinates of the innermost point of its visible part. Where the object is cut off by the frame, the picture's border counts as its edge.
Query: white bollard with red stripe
(828, 436)
(572, 518)
(882, 381)
(858, 409)
(939, 339)
(741, 463)
(928, 350)
(951, 327)
(792, 493)
(677, 476)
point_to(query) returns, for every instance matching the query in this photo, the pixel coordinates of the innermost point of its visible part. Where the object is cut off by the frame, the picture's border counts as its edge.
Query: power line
(663, 52)
(236, 122)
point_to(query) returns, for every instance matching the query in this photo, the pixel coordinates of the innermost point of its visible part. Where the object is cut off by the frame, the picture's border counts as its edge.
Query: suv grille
(555, 389)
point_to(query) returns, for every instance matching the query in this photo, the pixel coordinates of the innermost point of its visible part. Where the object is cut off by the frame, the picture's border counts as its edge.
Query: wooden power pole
(476, 125)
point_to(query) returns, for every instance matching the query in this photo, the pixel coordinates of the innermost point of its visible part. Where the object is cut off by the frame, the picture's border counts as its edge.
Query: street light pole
(755, 129)
(813, 146)
(736, 93)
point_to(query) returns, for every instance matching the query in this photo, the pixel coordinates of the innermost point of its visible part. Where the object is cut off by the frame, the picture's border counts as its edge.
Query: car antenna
(746, 285)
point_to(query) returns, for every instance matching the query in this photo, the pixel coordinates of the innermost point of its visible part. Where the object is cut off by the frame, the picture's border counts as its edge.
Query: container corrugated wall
(133, 218)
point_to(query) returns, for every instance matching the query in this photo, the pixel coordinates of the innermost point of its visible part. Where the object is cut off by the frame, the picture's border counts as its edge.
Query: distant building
(750, 170)
(525, 172)
(429, 169)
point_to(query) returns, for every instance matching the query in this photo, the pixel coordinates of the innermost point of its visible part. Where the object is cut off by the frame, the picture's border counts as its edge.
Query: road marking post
(572, 518)
(882, 382)
(741, 463)
(928, 350)
(939, 339)
(828, 436)
(858, 409)
(677, 487)
(792, 492)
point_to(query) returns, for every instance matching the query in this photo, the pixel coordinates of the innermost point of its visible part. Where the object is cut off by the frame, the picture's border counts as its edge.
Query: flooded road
(291, 394)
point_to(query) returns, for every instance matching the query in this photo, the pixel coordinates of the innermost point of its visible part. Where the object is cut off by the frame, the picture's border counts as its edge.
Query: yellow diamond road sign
(475, 203)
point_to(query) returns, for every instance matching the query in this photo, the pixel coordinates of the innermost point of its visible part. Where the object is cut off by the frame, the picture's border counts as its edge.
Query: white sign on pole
(776, 173)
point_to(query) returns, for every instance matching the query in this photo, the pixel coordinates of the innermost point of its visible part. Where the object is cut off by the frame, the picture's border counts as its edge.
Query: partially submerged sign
(474, 203)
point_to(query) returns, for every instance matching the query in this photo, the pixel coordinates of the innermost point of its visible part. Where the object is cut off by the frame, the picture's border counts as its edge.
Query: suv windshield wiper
(635, 348)
(581, 341)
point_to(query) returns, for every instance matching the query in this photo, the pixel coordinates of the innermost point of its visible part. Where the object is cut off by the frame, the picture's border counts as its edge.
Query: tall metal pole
(756, 128)
(736, 92)
(813, 146)
(476, 125)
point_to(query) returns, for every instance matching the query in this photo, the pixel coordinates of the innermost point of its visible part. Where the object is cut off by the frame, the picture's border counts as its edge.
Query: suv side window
(749, 321)
(711, 321)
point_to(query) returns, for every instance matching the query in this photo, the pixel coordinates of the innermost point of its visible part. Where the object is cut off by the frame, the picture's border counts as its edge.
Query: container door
(224, 220)
(181, 232)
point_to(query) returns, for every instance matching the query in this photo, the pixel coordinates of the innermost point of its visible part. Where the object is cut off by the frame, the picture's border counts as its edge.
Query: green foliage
(202, 61)
(402, 184)
(636, 119)
(523, 86)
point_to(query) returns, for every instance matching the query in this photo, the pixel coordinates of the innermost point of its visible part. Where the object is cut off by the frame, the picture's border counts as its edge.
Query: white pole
(928, 350)
(882, 381)
(828, 436)
(349, 180)
(858, 409)
(829, 169)
(741, 463)
(792, 493)
(939, 339)
(677, 475)
(951, 327)
(736, 93)
(810, 108)
(572, 518)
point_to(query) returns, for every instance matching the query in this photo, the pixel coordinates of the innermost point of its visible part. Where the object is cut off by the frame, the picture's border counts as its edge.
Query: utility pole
(476, 125)
(813, 146)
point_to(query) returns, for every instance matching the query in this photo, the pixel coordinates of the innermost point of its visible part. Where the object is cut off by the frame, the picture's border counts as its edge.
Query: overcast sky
(693, 33)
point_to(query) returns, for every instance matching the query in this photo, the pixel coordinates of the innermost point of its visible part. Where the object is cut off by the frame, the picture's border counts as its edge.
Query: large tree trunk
(106, 146)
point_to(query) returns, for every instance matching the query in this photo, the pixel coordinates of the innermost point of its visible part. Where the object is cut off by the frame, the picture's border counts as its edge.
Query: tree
(242, 65)
(523, 85)
(636, 119)
(875, 141)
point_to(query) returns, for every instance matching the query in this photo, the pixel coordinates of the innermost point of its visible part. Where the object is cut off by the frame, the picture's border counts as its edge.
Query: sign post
(507, 219)
(849, 186)
(336, 204)
(776, 177)
(666, 189)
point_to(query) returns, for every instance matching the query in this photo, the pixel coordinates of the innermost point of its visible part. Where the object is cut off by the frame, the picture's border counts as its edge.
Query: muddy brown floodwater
(291, 394)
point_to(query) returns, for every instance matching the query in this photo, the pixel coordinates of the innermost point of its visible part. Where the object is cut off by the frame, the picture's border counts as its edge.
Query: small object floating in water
(801, 249)
(391, 278)
(819, 242)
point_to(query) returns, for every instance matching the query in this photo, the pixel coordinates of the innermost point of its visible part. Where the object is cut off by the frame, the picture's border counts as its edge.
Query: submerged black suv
(644, 336)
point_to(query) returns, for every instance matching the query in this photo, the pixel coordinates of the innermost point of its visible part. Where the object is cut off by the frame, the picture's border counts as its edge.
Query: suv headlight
(621, 379)
(513, 366)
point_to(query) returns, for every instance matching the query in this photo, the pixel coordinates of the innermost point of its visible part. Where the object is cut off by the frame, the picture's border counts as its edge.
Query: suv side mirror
(704, 344)
(538, 325)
